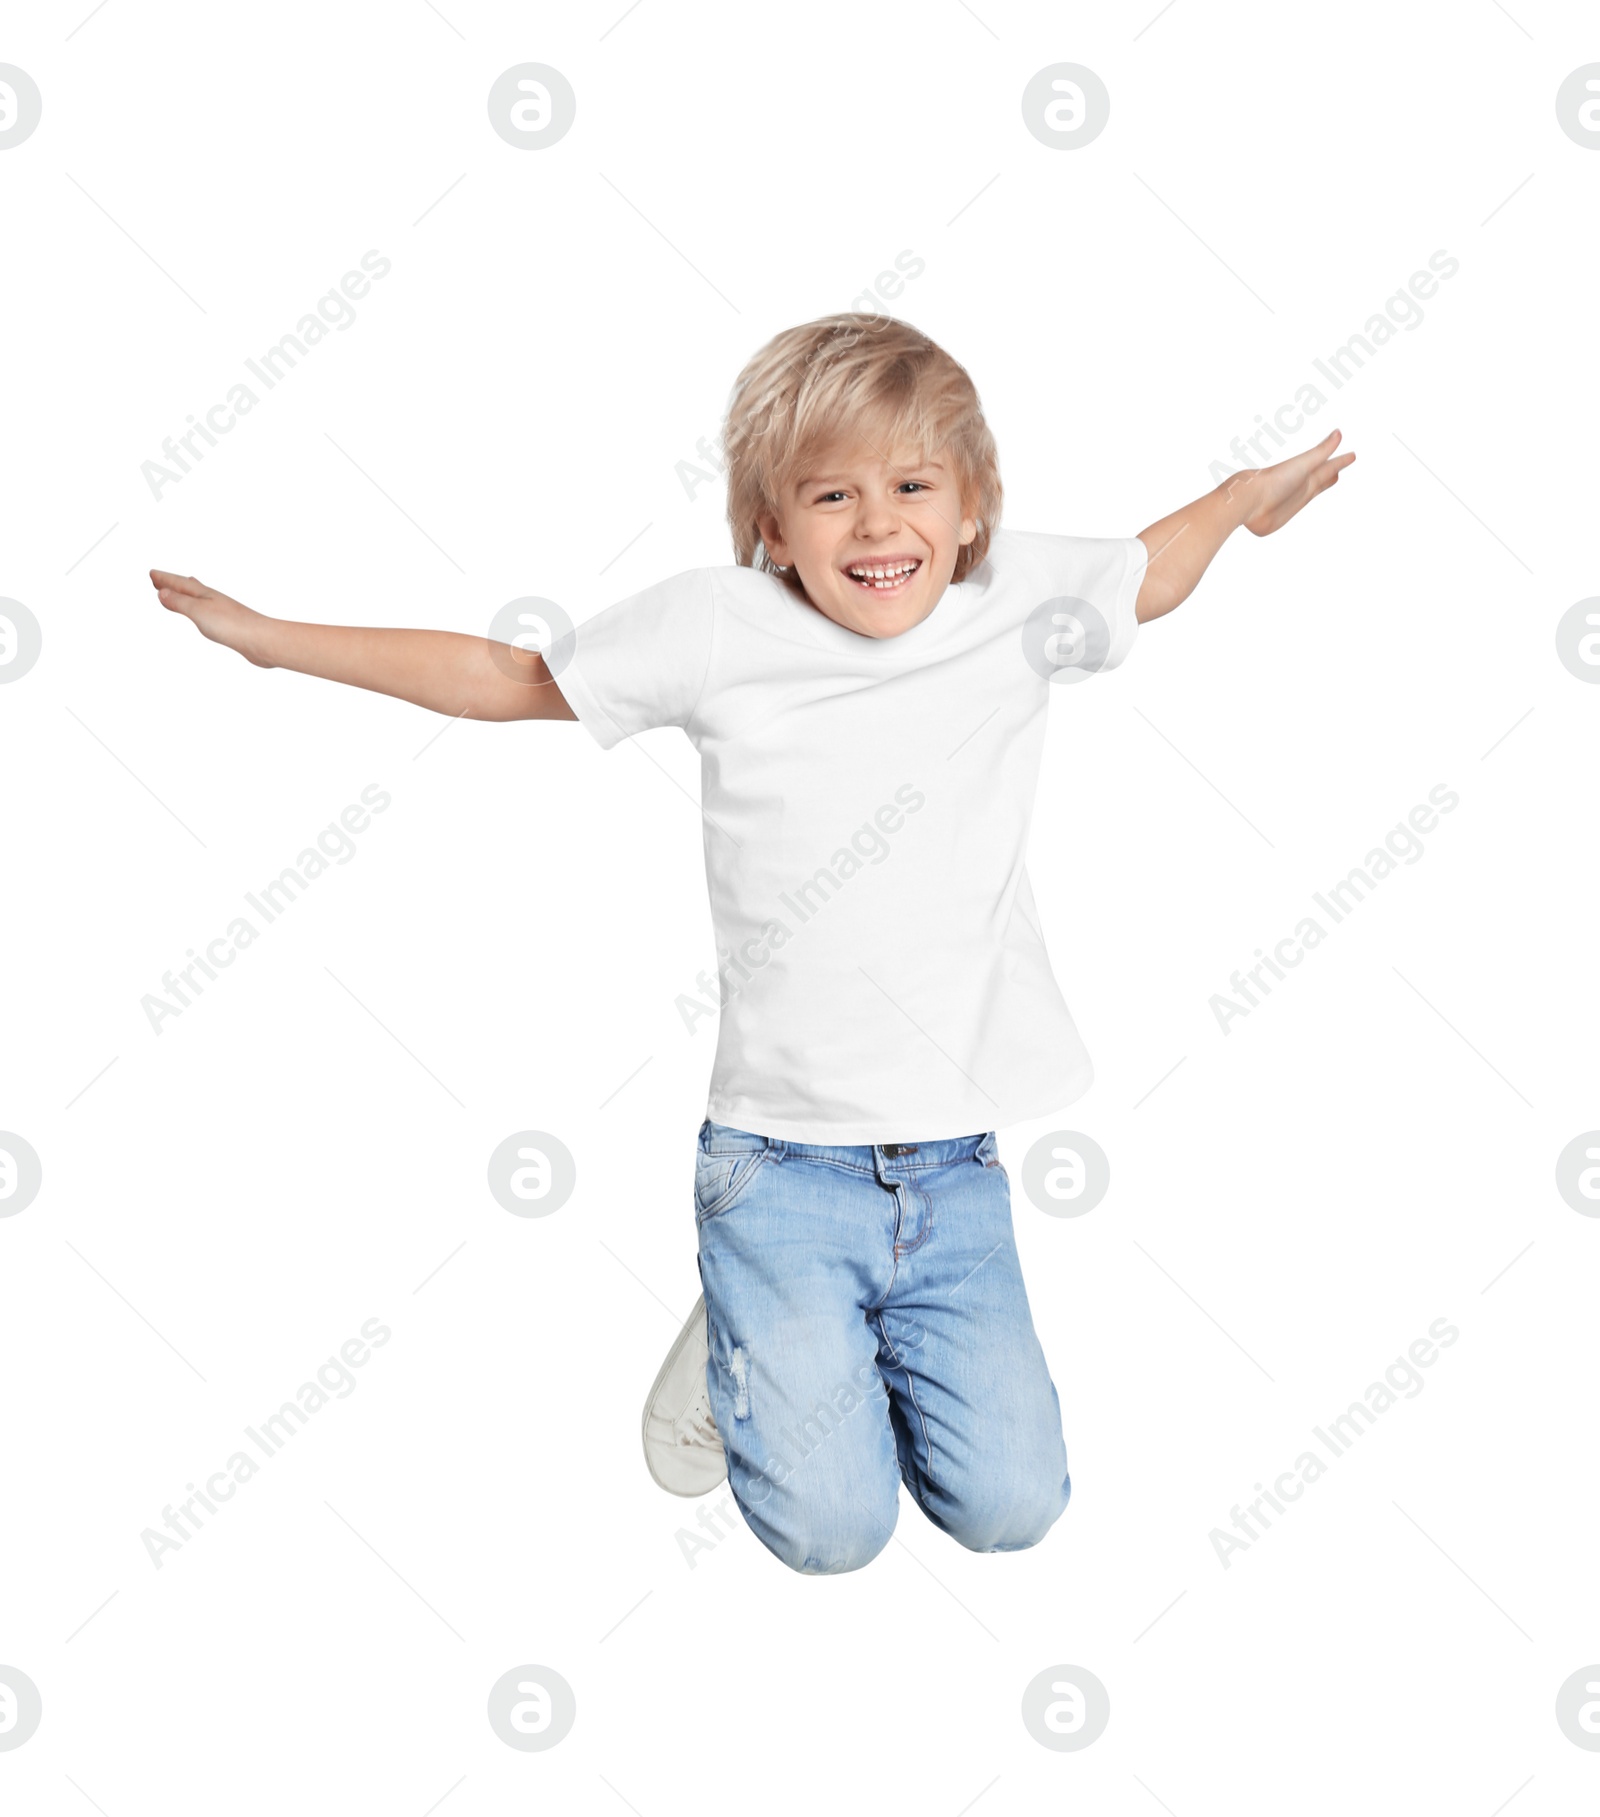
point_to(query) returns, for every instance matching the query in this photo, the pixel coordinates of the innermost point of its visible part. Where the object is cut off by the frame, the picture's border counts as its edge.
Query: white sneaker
(682, 1446)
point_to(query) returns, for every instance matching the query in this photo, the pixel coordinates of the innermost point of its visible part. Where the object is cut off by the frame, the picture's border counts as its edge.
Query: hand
(1272, 495)
(216, 616)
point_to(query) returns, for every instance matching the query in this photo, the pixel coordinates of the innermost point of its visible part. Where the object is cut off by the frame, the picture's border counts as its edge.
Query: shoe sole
(688, 1335)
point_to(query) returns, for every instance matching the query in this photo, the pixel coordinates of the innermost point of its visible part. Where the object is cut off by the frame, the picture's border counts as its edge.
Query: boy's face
(873, 541)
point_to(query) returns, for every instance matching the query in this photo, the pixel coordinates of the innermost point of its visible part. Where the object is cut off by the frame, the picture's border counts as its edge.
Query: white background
(1372, 1149)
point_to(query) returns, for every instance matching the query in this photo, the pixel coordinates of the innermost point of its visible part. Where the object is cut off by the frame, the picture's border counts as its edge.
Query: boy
(867, 690)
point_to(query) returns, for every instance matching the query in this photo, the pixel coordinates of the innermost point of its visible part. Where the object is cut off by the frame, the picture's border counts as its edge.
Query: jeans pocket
(988, 1152)
(721, 1179)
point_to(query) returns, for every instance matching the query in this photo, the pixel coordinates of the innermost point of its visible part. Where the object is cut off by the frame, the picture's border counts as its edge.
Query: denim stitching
(917, 1196)
(911, 1390)
(800, 1154)
(737, 1183)
(800, 1151)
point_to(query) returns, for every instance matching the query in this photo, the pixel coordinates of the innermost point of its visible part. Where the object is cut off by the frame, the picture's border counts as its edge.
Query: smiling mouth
(884, 577)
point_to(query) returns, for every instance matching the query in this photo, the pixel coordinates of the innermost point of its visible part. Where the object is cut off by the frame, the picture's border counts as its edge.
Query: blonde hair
(838, 378)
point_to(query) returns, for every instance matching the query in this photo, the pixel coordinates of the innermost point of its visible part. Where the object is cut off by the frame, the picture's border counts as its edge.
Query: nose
(877, 518)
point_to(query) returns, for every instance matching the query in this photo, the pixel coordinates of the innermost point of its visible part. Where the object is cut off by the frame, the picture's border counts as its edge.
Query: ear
(772, 539)
(969, 530)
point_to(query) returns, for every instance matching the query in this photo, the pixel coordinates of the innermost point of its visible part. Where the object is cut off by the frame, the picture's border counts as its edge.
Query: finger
(180, 598)
(1312, 458)
(177, 583)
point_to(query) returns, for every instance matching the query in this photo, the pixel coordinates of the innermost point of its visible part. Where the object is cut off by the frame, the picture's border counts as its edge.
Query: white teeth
(883, 576)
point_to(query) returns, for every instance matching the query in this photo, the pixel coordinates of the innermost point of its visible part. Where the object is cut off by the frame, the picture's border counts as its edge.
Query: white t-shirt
(866, 805)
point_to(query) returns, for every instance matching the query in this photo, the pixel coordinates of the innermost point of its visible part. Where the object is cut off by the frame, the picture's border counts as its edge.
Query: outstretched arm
(1261, 499)
(446, 671)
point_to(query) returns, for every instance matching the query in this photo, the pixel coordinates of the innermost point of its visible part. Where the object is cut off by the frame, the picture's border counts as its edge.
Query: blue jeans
(868, 1326)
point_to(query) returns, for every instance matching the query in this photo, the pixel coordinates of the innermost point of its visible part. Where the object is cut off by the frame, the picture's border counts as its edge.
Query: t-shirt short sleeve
(1103, 572)
(643, 661)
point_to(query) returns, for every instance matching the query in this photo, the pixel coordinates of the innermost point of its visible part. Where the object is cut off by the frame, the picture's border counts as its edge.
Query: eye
(913, 482)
